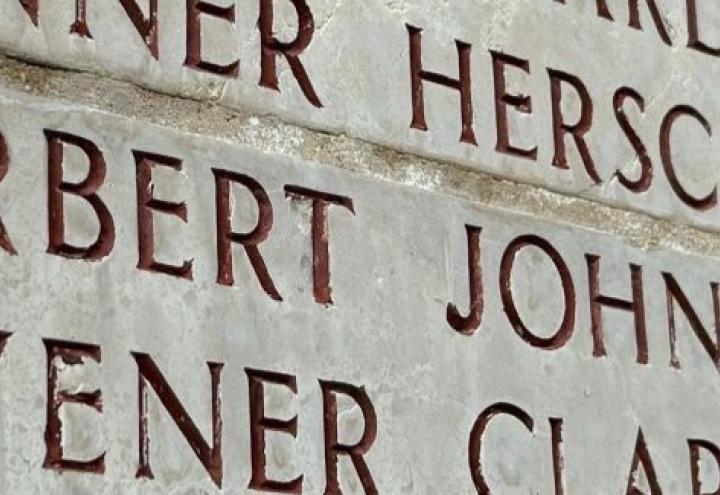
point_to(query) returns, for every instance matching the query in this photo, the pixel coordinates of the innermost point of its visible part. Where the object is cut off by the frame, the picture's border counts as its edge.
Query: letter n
(211, 458)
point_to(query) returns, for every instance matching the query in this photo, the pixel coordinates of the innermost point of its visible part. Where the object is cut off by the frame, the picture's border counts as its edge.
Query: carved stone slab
(611, 101)
(187, 314)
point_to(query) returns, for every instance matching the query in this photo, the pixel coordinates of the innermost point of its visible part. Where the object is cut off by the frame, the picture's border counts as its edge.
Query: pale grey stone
(396, 264)
(359, 64)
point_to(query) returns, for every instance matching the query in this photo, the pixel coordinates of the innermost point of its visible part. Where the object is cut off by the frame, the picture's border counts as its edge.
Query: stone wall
(455, 247)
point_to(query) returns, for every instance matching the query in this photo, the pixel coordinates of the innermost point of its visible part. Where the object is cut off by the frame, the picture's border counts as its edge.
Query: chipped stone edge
(270, 135)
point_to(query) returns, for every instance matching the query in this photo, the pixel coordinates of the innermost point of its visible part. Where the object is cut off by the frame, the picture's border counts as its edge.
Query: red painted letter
(476, 438)
(71, 354)
(577, 130)
(250, 241)
(80, 26)
(695, 447)
(656, 16)
(4, 337)
(211, 458)
(147, 27)
(675, 293)
(694, 40)
(556, 437)
(193, 59)
(467, 325)
(641, 458)
(503, 99)
(271, 47)
(462, 84)
(333, 448)
(259, 423)
(701, 204)
(87, 189)
(636, 305)
(567, 326)
(5, 242)
(642, 183)
(320, 235)
(147, 204)
(31, 7)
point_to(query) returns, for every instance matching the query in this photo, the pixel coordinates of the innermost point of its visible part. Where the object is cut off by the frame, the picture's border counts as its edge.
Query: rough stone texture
(396, 263)
(395, 266)
(359, 63)
(273, 136)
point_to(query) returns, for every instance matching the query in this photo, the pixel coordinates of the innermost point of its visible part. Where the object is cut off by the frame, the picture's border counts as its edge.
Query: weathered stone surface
(396, 263)
(359, 64)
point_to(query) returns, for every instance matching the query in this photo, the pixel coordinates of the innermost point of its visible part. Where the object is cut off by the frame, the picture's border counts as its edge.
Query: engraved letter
(462, 84)
(80, 26)
(250, 241)
(147, 27)
(193, 59)
(259, 423)
(333, 448)
(694, 40)
(4, 337)
(5, 242)
(656, 16)
(675, 293)
(211, 458)
(271, 47)
(87, 189)
(578, 130)
(695, 446)
(476, 438)
(642, 183)
(556, 427)
(636, 305)
(320, 235)
(147, 204)
(31, 7)
(641, 457)
(72, 354)
(701, 204)
(506, 267)
(467, 325)
(503, 99)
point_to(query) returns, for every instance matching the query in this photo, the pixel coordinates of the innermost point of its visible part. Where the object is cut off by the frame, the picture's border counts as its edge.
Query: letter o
(567, 326)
